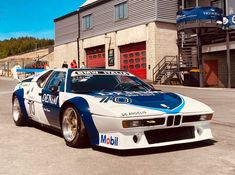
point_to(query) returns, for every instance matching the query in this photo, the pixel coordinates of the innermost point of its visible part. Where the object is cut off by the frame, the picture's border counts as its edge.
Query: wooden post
(8, 69)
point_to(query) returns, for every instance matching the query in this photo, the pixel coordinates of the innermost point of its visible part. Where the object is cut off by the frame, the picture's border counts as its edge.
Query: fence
(6, 66)
(22, 60)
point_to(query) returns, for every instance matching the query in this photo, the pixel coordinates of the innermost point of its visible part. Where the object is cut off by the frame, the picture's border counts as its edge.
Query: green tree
(15, 46)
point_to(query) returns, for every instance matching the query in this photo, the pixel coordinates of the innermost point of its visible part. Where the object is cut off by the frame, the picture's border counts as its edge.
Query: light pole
(228, 57)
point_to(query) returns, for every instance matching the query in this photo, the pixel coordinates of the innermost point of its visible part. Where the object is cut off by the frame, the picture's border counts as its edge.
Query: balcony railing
(200, 17)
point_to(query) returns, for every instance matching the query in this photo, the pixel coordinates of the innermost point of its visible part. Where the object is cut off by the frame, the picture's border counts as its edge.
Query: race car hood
(137, 104)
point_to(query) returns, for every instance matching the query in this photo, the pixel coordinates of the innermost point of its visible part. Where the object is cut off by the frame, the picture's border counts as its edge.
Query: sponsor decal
(109, 140)
(122, 100)
(51, 99)
(89, 72)
(127, 114)
(165, 106)
(119, 100)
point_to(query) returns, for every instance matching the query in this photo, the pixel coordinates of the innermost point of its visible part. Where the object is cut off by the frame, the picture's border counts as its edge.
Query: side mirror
(53, 89)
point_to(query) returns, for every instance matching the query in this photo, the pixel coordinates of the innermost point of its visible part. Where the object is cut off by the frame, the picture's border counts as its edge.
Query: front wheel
(17, 114)
(73, 128)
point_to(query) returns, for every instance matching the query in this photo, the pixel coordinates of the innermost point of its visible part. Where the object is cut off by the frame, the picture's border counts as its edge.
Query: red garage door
(95, 57)
(133, 59)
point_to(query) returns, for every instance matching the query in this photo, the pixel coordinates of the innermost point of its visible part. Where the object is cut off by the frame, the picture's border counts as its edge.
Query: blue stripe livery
(20, 95)
(83, 107)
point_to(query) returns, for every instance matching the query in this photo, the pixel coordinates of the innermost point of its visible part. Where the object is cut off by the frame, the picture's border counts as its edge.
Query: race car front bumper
(113, 135)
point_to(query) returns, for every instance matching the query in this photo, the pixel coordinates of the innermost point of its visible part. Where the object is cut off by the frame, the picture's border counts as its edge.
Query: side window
(57, 79)
(41, 81)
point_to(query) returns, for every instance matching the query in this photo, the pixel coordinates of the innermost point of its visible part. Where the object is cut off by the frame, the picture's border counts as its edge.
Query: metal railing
(160, 67)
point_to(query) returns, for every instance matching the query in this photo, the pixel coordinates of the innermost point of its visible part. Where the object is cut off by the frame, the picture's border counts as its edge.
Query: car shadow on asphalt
(52, 131)
(156, 150)
(45, 128)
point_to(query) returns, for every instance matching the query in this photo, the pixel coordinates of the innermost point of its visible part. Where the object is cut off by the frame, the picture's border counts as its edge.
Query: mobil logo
(109, 140)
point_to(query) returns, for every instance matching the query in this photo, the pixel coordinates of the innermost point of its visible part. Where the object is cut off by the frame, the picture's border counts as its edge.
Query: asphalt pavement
(41, 151)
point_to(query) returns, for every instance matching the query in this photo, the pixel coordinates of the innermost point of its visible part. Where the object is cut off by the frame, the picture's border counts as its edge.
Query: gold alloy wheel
(70, 124)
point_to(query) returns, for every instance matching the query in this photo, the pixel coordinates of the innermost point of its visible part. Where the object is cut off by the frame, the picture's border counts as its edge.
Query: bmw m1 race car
(109, 108)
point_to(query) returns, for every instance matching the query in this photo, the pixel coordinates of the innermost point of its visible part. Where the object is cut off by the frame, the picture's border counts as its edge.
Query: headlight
(206, 117)
(131, 123)
(143, 122)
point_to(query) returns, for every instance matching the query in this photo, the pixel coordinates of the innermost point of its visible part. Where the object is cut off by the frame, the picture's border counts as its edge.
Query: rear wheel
(73, 128)
(17, 114)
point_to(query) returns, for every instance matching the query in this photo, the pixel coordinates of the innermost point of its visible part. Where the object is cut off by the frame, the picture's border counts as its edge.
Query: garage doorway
(95, 57)
(211, 73)
(133, 59)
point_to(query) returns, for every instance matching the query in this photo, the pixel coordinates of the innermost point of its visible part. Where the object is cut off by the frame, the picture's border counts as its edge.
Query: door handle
(40, 94)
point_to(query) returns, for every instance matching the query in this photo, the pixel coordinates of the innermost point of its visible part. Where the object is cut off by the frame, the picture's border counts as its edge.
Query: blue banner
(200, 13)
(229, 21)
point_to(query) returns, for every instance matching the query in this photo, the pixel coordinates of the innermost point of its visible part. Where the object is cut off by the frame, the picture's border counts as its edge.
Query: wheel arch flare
(83, 107)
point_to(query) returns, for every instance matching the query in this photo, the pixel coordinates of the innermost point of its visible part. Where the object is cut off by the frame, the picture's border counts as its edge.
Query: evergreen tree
(15, 46)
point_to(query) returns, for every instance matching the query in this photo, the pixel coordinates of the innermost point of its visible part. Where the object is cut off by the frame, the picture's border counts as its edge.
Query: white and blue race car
(109, 108)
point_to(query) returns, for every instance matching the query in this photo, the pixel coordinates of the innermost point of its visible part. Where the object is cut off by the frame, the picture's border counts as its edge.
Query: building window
(190, 3)
(219, 4)
(87, 22)
(231, 7)
(121, 11)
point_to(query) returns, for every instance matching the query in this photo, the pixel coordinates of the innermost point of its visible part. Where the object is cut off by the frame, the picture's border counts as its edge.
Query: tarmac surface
(41, 151)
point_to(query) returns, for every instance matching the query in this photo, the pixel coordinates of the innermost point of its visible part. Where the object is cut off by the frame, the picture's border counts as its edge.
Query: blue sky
(32, 17)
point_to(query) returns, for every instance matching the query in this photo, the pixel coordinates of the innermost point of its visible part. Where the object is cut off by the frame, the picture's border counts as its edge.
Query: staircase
(188, 50)
(171, 68)
(167, 71)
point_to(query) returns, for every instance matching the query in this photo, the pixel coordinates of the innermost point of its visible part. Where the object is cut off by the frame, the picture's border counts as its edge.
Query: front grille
(171, 134)
(170, 120)
(177, 120)
(173, 120)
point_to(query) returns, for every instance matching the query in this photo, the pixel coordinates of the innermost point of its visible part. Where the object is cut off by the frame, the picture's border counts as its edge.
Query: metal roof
(88, 2)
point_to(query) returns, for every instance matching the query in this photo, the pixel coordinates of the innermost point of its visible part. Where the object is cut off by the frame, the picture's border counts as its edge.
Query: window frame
(121, 6)
(90, 20)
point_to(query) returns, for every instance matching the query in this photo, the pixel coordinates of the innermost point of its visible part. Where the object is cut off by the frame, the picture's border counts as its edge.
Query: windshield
(102, 81)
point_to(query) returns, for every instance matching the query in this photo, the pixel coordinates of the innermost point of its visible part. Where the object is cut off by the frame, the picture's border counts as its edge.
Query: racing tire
(73, 128)
(17, 114)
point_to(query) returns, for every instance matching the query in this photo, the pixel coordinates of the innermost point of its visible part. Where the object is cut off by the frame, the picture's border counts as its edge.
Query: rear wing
(25, 71)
